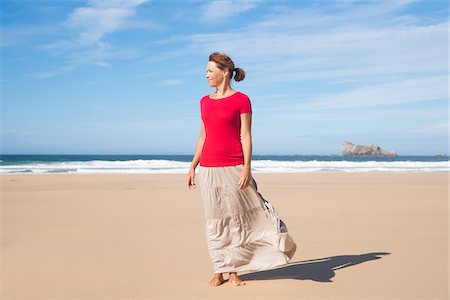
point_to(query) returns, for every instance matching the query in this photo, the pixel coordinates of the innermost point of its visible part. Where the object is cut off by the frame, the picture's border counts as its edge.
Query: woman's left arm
(246, 140)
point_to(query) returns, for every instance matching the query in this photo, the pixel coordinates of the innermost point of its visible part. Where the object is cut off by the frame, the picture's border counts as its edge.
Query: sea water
(124, 164)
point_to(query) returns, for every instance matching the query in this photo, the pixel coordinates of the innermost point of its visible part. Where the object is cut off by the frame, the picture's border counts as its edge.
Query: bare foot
(216, 280)
(234, 279)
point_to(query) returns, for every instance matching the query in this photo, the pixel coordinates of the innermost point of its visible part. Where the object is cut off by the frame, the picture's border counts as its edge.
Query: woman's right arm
(198, 150)
(196, 159)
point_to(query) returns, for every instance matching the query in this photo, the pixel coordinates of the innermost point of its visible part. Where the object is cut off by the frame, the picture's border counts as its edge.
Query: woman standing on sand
(243, 231)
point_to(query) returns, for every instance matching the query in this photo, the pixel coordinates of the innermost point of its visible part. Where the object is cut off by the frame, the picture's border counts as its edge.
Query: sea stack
(350, 149)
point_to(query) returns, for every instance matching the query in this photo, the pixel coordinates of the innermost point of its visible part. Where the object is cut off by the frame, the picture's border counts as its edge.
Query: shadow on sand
(320, 269)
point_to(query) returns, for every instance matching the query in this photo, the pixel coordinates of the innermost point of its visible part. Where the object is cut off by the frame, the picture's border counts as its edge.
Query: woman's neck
(223, 91)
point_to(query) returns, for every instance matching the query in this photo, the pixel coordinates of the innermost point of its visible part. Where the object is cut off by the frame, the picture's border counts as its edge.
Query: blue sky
(126, 77)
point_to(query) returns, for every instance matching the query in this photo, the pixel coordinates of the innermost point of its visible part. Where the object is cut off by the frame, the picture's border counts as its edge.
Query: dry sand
(360, 235)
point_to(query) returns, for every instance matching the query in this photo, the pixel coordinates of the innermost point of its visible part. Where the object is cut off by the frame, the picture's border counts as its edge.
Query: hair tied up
(239, 74)
(224, 61)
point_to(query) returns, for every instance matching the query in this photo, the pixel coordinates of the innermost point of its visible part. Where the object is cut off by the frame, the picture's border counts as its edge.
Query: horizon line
(332, 154)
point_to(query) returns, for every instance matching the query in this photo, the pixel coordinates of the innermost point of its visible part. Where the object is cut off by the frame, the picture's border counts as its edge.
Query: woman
(243, 231)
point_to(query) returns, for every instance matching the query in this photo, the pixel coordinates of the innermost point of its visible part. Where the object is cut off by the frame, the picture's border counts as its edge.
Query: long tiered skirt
(243, 230)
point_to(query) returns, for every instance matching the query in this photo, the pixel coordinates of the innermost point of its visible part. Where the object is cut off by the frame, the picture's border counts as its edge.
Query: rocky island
(350, 149)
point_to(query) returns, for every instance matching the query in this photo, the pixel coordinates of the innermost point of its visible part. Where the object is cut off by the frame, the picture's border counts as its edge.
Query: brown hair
(224, 61)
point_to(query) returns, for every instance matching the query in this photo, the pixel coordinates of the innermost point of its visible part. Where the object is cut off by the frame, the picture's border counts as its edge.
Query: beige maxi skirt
(243, 230)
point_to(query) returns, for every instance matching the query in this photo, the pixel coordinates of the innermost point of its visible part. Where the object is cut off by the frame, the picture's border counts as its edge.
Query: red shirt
(222, 119)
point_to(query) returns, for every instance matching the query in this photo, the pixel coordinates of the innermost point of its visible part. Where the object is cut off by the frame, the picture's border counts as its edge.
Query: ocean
(144, 164)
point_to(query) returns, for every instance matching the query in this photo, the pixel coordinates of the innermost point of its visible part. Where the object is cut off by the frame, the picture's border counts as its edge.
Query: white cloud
(103, 64)
(94, 22)
(97, 55)
(390, 93)
(100, 18)
(325, 115)
(407, 91)
(435, 128)
(16, 35)
(218, 10)
(54, 72)
(331, 54)
(371, 52)
(90, 24)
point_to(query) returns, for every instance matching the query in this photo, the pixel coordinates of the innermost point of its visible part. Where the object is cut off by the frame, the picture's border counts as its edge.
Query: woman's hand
(191, 179)
(245, 178)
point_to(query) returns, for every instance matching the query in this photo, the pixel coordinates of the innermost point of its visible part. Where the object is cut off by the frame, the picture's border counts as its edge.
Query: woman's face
(214, 75)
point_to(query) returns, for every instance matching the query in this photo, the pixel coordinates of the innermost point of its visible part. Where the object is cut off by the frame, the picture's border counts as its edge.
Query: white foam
(271, 166)
(258, 166)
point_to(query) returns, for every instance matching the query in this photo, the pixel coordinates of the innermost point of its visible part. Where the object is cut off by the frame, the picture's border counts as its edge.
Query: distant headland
(350, 149)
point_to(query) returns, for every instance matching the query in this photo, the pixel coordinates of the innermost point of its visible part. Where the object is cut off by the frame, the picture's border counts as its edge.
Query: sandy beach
(359, 235)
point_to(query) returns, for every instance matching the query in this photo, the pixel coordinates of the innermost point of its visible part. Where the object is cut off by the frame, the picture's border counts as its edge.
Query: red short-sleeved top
(222, 119)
